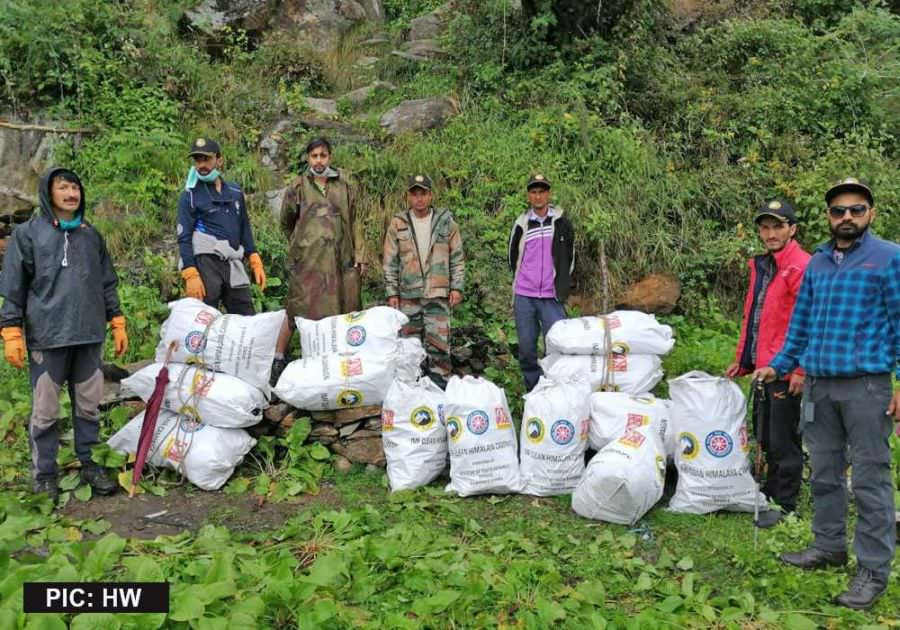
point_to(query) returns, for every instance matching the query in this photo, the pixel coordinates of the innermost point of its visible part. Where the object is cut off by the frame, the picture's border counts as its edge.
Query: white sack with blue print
(375, 330)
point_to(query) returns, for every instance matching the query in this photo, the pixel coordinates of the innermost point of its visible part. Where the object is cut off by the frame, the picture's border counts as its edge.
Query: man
(58, 283)
(775, 279)
(845, 332)
(541, 256)
(424, 272)
(326, 256)
(214, 235)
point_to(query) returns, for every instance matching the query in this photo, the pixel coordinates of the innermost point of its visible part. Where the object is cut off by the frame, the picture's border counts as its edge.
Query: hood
(44, 194)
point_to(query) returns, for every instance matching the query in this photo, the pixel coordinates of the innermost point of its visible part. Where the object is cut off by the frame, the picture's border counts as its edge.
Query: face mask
(329, 172)
(194, 176)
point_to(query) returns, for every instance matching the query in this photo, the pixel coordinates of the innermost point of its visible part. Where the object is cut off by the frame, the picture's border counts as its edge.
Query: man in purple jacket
(542, 257)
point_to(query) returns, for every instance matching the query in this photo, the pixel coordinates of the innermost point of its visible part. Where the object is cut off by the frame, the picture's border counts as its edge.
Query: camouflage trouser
(429, 320)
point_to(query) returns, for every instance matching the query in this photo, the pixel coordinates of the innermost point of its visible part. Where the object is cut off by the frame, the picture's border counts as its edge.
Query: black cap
(777, 209)
(204, 146)
(537, 179)
(850, 184)
(418, 181)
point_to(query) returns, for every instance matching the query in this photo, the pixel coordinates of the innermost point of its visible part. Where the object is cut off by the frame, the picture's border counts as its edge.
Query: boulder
(655, 293)
(346, 416)
(431, 25)
(272, 144)
(419, 115)
(342, 464)
(358, 97)
(323, 106)
(365, 451)
(25, 152)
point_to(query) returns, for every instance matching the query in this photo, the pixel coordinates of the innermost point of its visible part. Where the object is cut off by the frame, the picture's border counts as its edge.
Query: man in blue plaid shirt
(845, 332)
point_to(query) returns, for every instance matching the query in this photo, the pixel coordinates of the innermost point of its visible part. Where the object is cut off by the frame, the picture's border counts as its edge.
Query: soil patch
(188, 509)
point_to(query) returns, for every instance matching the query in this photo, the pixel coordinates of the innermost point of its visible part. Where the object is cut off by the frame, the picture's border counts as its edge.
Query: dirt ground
(186, 508)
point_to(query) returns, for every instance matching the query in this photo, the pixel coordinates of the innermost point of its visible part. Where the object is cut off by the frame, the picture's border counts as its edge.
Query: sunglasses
(856, 210)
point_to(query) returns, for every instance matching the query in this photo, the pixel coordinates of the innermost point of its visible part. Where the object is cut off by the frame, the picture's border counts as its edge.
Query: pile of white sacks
(218, 386)
(702, 428)
(349, 360)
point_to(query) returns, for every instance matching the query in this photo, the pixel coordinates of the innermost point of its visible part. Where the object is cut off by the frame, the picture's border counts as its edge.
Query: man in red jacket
(774, 284)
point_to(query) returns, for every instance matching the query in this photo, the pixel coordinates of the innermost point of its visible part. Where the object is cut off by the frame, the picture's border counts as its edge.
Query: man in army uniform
(424, 272)
(325, 257)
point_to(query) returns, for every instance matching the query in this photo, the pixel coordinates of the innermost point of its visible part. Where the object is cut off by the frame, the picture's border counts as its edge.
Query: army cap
(777, 209)
(537, 179)
(204, 146)
(850, 184)
(418, 181)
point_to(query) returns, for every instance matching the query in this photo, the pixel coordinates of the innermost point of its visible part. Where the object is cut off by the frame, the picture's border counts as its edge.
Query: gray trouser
(79, 366)
(838, 413)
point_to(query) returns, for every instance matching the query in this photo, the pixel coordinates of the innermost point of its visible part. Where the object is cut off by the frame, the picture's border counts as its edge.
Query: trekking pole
(759, 395)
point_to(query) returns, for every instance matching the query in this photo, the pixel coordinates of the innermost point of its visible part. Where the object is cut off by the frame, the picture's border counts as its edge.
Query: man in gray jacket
(59, 289)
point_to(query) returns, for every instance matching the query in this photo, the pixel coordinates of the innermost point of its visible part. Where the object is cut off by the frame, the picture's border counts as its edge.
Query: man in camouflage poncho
(325, 258)
(424, 272)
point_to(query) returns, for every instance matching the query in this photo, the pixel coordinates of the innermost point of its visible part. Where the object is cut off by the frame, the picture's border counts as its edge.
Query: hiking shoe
(813, 558)
(96, 477)
(769, 518)
(864, 589)
(278, 366)
(48, 487)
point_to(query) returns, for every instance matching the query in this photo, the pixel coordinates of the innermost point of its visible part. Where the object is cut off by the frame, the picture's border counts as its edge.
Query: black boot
(99, 481)
(812, 558)
(864, 589)
(47, 486)
(769, 518)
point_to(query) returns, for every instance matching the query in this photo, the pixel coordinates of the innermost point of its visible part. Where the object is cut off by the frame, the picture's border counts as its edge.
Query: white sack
(411, 354)
(221, 400)
(413, 433)
(240, 345)
(711, 456)
(632, 373)
(336, 381)
(614, 413)
(206, 455)
(630, 332)
(624, 480)
(554, 436)
(482, 445)
(374, 331)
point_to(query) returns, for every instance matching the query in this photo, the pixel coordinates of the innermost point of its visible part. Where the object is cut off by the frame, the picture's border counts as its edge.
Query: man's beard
(848, 231)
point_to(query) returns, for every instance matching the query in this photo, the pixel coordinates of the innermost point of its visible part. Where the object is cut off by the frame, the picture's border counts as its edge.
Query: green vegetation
(661, 134)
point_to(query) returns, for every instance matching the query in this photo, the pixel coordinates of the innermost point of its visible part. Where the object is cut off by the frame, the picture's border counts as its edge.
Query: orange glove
(120, 337)
(259, 274)
(193, 284)
(14, 346)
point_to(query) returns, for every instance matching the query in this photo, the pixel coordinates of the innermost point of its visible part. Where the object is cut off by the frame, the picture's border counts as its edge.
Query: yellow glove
(120, 337)
(259, 274)
(193, 284)
(14, 346)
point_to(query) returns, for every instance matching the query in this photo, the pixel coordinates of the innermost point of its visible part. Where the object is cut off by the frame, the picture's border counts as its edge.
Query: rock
(373, 424)
(365, 451)
(366, 62)
(324, 106)
(273, 199)
(215, 18)
(348, 429)
(358, 97)
(655, 293)
(378, 40)
(342, 464)
(419, 115)
(276, 413)
(272, 143)
(344, 416)
(363, 433)
(372, 469)
(287, 423)
(426, 26)
(425, 48)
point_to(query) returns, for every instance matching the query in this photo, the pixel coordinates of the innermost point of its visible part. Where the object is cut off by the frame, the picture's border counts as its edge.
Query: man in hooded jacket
(59, 290)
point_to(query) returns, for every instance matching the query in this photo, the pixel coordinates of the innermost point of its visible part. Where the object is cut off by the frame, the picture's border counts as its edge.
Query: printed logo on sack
(454, 428)
(422, 418)
(501, 417)
(743, 440)
(562, 432)
(355, 316)
(387, 419)
(614, 322)
(175, 450)
(201, 385)
(534, 430)
(636, 420)
(619, 347)
(632, 439)
(719, 444)
(690, 445)
(356, 336)
(585, 430)
(620, 362)
(478, 422)
(189, 425)
(351, 367)
(205, 318)
(350, 398)
(194, 342)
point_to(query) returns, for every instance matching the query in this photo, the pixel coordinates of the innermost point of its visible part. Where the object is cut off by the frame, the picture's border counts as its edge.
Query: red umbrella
(149, 425)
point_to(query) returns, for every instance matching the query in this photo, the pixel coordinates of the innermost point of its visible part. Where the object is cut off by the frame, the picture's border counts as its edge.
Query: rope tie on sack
(608, 382)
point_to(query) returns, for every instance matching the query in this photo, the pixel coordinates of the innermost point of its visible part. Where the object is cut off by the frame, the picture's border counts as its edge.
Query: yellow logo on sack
(534, 430)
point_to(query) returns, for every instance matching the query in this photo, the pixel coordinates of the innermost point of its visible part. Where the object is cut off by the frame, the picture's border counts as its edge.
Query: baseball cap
(418, 181)
(204, 146)
(778, 209)
(850, 184)
(537, 179)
